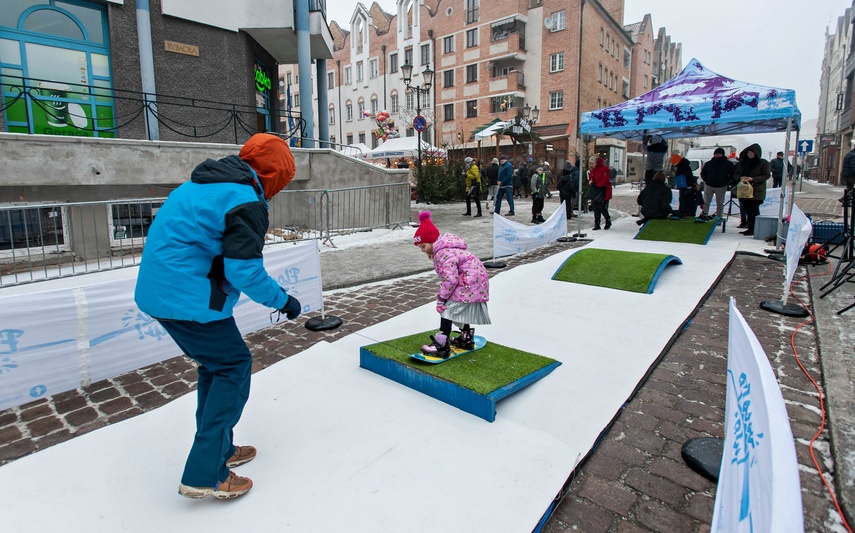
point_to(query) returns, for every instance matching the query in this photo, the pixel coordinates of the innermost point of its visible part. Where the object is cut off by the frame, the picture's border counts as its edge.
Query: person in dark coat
(847, 173)
(568, 186)
(492, 174)
(752, 168)
(687, 188)
(655, 146)
(654, 199)
(777, 167)
(716, 174)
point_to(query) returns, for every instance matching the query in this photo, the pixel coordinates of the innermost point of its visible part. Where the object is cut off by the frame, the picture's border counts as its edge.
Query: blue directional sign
(805, 147)
(420, 123)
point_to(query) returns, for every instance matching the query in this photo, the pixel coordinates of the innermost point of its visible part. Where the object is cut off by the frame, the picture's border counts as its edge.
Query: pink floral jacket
(464, 278)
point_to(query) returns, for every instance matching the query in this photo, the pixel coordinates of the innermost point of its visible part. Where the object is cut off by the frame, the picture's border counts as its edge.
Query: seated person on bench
(655, 199)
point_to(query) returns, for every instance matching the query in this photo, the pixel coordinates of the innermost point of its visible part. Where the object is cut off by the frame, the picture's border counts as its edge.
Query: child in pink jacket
(464, 290)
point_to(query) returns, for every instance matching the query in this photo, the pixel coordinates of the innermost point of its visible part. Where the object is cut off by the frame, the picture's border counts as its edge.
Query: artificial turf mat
(614, 269)
(483, 371)
(685, 230)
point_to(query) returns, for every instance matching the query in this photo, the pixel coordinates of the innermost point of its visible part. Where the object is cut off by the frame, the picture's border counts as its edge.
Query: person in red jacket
(600, 191)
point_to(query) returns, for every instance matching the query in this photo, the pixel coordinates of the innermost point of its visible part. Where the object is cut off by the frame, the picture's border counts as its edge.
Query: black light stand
(845, 269)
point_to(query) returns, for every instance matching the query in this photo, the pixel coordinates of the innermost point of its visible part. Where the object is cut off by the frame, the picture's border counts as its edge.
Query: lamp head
(407, 73)
(428, 77)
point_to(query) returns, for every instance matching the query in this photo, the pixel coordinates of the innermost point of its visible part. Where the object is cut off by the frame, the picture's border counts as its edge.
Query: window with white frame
(625, 88)
(332, 139)
(448, 44)
(375, 106)
(349, 138)
(627, 58)
(471, 73)
(359, 72)
(410, 101)
(372, 65)
(348, 109)
(559, 21)
(408, 56)
(330, 80)
(393, 63)
(425, 53)
(602, 33)
(297, 100)
(393, 103)
(471, 11)
(645, 81)
(556, 62)
(448, 78)
(288, 78)
(600, 74)
(472, 38)
(362, 138)
(556, 100)
(347, 76)
(332, 114)
(360, 109)
(448, 112)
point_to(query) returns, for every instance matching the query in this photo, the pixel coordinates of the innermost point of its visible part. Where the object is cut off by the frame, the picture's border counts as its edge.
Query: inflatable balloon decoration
(386, 128)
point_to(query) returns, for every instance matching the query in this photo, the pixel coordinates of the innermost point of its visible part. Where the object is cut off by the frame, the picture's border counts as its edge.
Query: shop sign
(181, 48)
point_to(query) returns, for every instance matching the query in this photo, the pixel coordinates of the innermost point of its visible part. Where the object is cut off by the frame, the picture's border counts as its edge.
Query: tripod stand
(845, 269)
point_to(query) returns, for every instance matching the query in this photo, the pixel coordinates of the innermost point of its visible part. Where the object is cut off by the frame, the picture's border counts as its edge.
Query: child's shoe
(438, 347)
(466, 339)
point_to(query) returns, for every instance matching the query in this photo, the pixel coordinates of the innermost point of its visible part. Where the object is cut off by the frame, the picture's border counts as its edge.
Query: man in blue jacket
(506, 185)
(202, 251)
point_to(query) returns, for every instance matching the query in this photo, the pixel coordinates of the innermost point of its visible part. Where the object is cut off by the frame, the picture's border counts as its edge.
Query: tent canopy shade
(697, 102)
(404, 147)
(357, 150)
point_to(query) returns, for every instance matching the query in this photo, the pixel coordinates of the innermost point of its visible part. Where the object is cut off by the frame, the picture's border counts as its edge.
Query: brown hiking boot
(232, 487)
(243, 455)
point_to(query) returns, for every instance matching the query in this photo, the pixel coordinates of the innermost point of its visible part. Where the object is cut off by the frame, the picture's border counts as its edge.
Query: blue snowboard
(480, 342)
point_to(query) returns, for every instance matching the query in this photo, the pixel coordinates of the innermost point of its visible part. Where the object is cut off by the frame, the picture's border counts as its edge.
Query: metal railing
(46, 241)
(33, 105)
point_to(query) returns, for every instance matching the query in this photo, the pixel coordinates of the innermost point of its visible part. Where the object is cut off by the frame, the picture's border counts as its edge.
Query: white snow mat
(343, 449)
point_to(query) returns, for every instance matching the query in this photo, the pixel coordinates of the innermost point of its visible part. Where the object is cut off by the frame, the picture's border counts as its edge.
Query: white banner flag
(797, 236)
(512, 237)
(53, 341)
(758, 485)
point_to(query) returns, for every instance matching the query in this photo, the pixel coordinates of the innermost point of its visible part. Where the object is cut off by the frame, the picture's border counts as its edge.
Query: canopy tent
(404, 147)
(697, 102)
(516, 128)
(357, 150)
(489, 129)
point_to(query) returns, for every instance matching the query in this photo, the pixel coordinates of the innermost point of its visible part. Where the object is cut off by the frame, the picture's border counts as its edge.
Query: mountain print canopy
(696, 102)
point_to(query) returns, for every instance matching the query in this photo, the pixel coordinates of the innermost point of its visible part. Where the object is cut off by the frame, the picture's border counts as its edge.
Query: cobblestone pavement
(634, 480)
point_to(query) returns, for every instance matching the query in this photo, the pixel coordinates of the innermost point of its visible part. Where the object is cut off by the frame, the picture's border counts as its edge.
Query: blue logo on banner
(38, 391)
(7, 364)
(745, 440)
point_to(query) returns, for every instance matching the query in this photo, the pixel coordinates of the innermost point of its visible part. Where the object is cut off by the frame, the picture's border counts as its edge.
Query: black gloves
(292, 308)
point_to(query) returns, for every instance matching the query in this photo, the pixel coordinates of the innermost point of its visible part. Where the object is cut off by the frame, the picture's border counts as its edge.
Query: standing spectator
(687, 186)
(752, 168)
(506, 186)
(492, 173)
(517, 183)
(599, 191)
(654, 199)
(538, 193)
(549, 178)
(847, 174)
(716, 175)
(203, 250)
(524, 179)
(656, 147)
(402, 163)
(473, 186)
(777, 167)
(613, 176)
(568, 185)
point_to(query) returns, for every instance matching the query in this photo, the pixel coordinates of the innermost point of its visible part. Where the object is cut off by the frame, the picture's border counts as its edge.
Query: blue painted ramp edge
(480, 405)
(665, 262)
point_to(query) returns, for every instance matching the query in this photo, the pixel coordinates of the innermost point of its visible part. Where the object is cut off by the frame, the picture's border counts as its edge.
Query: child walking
(463, 292)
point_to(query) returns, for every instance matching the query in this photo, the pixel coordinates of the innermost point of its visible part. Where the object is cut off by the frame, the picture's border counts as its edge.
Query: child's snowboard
(480, 342)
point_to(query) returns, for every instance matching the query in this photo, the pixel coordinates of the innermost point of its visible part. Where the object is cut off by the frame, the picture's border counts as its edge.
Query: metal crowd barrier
(57, 240)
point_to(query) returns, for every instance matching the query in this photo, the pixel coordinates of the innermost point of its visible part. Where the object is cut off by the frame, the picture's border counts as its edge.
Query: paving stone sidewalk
(634, 480)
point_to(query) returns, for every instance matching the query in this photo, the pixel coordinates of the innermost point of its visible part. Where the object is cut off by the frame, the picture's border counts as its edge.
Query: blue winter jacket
(204, 247)
(506, 174)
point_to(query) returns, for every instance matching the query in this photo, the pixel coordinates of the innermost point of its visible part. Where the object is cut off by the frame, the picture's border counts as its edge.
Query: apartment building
(558, 58)
(835, 119)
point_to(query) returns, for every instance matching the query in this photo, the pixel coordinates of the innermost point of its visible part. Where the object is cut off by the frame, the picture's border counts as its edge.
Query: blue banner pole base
(318, 323)
(495, 264)
(566, 239)
(777, 306)
(703, 455)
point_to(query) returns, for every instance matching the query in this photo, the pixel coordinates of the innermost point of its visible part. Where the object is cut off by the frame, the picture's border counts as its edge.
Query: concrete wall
(45, 168)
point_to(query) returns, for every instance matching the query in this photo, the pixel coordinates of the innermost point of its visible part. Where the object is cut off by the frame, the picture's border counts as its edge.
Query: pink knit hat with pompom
(427, 232)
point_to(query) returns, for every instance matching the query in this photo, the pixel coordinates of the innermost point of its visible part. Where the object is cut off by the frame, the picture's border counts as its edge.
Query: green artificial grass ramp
(483, 371)
(614, 269)
(685, 230)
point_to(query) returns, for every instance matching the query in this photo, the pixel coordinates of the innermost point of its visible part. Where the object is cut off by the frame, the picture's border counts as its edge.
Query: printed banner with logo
(797, 236)
(511, 238)
(53, 341)
(758, 486)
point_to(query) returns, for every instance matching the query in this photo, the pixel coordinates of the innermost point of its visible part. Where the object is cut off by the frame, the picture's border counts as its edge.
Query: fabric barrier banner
(96, 332)
(758, 486)
(797, 236)
(769, 207)
(511, 238)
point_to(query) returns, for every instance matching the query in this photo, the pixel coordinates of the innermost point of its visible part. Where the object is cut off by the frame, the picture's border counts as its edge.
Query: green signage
(262, 80)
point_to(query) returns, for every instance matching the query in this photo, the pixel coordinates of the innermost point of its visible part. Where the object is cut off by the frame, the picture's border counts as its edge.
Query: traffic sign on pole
(805, 146)
(420, 123)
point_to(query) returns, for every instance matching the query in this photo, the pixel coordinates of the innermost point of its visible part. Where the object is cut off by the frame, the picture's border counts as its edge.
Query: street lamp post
(419, 122)
(531, 116)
